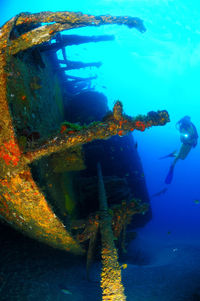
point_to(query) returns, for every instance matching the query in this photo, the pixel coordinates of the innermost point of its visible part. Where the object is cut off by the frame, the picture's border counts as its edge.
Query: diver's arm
(195, 135)
(195, 131)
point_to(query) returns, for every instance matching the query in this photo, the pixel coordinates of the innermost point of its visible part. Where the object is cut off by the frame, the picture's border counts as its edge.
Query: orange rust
(120, 123)
(71, 132)
(120, 133)
(10, 152)
(141, 125)
(63, 129)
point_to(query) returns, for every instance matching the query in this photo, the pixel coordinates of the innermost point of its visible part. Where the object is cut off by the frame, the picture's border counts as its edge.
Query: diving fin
(170, 174)
(173, 154)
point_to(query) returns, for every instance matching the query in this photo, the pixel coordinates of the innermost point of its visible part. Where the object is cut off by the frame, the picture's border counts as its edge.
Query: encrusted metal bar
(63, 21)
(111, 284)
(114, 124)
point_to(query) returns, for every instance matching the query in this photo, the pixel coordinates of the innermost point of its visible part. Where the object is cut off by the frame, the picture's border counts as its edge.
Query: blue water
(156, 70)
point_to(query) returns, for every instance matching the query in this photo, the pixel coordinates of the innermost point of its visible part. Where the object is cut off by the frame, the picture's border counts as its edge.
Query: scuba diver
(188, 137)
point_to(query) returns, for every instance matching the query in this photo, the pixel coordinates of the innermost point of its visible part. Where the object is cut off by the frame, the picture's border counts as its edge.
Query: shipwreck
(56, 185)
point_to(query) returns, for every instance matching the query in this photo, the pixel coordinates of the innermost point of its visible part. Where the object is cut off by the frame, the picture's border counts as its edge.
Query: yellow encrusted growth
(112, 288)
